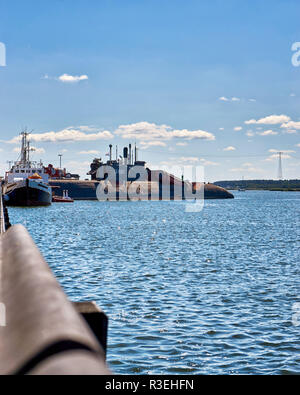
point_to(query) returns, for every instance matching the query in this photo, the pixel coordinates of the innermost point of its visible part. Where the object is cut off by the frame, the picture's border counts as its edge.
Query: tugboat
(65, 198)
(27, 181)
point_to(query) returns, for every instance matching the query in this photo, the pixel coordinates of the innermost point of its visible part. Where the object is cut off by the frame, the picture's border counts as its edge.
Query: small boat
(26, 183)
(65, 198)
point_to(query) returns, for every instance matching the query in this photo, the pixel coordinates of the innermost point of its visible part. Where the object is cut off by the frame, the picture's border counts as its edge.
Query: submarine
(151, 185)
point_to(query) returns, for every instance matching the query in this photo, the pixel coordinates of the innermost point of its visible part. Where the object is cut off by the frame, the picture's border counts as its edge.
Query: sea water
(211, 292)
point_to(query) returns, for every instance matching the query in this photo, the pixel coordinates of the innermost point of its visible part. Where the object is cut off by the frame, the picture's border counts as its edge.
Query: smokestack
(130, 154)
(125, 154)
(110, 152)
(136, 153)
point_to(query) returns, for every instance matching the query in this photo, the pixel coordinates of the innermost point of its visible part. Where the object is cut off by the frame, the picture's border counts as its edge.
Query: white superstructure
(24, 167)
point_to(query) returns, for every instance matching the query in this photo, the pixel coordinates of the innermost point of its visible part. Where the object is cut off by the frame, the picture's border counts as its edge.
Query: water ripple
(186, 293)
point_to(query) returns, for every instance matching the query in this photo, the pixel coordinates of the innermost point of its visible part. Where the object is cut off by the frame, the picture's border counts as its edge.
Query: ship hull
(87, 190)
(28, 193)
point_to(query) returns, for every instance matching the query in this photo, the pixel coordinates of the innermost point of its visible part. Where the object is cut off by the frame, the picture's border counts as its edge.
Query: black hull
(86, 190)
(28, 196)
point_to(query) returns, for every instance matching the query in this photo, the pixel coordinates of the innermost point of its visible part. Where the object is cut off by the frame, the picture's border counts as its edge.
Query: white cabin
(19, 172)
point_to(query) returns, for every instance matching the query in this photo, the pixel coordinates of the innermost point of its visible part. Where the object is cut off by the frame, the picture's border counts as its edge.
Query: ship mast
(25, 148)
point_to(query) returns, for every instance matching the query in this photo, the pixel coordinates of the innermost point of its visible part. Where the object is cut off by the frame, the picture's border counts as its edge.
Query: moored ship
(154, 180)
(27, 181)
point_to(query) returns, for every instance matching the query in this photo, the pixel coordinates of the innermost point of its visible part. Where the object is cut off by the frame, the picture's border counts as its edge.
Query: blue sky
(179, 76)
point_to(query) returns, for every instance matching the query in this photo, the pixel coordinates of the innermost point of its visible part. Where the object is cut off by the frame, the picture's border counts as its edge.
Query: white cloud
(247, 164)
(150, 131)
(189, 159)
(290, 131)
(273, 150)
(291, 125)
(65, 135)
(270, 120)
(72, 78)
(238, 128)
(192, 134)
(298, 145)
(181, 144)
(292, 94)
(252, 100)
(87, 128)
(268, 133)
(250, 133)
(90, 152)
(34, 150)
(221, 129)
(40, 151)
(226, 99)
(145, 145)
(77, 167)
(208, 163)
(230, 148)
(275, 157)
(247, 168)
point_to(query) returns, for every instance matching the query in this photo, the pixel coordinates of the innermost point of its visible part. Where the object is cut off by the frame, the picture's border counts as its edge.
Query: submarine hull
(87, 190)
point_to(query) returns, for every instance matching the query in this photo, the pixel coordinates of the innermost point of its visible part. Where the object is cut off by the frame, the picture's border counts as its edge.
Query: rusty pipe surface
(42, 326)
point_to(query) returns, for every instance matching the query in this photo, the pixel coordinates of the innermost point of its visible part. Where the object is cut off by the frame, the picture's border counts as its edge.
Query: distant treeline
(272, 185)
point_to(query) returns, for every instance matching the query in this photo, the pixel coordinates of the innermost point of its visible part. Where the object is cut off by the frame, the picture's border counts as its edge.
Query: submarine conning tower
(129, 159)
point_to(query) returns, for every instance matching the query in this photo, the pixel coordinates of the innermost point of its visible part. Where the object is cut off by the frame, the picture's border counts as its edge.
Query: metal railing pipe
(44, 334)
